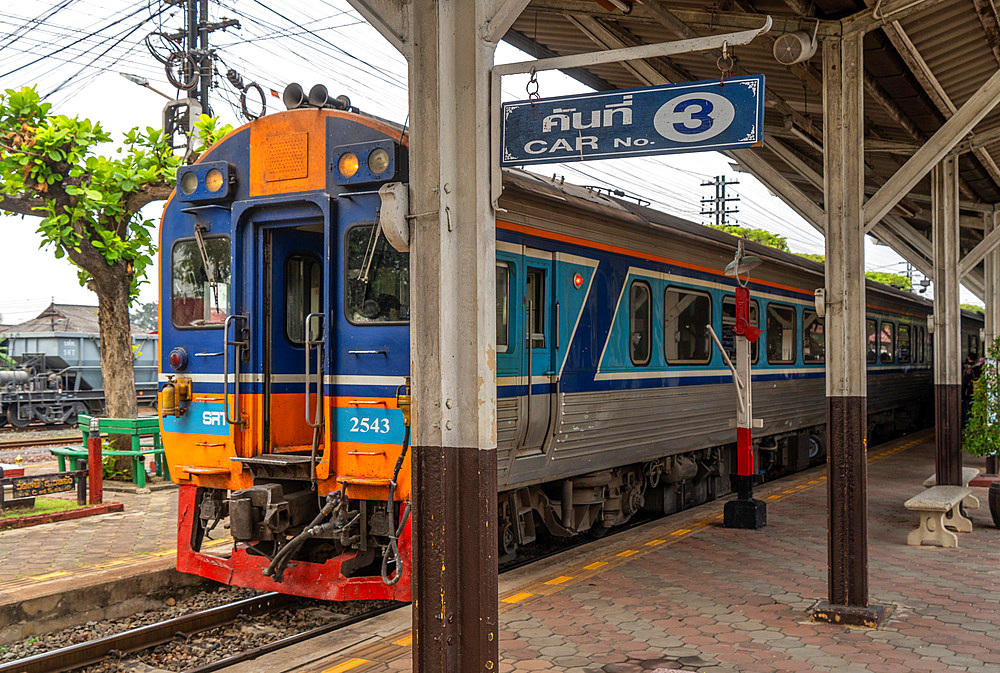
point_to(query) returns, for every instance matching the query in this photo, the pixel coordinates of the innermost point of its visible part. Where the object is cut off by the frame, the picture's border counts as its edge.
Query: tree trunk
(112, 289)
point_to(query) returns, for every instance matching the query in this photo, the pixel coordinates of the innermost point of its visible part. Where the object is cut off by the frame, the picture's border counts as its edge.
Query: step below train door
(291, 310)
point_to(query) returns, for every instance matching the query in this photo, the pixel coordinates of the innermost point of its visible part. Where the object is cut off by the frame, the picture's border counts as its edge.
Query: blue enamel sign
(692, 117)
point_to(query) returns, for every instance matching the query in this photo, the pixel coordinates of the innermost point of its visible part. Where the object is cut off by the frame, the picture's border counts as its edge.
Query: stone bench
(968, 474)
(938, 508)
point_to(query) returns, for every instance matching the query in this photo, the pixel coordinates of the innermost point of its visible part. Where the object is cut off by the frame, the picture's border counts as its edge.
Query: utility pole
(716, 207)
(196, 55)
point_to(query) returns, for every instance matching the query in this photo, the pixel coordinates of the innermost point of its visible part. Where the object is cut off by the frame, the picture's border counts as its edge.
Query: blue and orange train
(285, 351)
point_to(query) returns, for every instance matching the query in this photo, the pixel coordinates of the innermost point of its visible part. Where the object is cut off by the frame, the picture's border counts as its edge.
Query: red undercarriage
(313, 580)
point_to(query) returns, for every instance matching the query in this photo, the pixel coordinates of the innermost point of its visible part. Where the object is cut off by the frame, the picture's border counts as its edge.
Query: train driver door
(290, 320)
(536, 287)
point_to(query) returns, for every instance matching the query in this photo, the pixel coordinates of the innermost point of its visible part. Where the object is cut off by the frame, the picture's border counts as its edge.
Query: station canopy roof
(922, 60)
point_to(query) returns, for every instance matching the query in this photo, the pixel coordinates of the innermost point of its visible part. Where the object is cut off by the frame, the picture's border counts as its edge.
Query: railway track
(38, 441)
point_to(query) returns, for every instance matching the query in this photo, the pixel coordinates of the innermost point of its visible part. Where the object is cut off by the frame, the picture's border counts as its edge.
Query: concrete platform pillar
(948, 349)
(846, 385)
(449, 46)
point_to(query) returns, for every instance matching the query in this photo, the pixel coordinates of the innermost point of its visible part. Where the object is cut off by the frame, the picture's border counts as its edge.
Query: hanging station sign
(690, 117)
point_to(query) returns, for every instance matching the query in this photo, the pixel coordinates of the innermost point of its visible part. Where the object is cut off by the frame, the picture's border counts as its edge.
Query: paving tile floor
(686, 593)
(148, 525)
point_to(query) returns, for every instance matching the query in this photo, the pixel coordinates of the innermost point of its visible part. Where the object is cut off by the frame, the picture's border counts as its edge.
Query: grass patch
(42, 506)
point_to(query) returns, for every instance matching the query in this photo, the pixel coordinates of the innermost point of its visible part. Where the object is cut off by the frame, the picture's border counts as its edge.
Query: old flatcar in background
(50, 367)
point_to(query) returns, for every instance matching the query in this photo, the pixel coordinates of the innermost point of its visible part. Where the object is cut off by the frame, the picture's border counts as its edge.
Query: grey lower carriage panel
(600, 430)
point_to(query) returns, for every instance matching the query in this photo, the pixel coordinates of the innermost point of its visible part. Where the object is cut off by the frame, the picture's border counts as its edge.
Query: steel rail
(143, 637)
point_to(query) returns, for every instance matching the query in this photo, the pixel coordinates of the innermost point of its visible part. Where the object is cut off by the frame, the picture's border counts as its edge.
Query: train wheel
(16, 420)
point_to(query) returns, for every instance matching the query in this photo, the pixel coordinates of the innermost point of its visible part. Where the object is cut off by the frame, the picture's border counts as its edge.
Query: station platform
(147, 528)
(687, 594)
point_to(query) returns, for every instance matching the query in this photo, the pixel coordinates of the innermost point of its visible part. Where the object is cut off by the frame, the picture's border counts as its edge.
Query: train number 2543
(379, 425)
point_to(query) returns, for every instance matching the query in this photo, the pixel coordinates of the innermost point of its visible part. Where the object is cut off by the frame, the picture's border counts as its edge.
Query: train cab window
(639, 318)
(780, 334)
(887, 342)
(302, 297)
(503, 308)
(871, 330)
(378, 279)
(729, 321)
(904, 344)
(534, 290)
(685, 315)
(199, 282)
(813, 338)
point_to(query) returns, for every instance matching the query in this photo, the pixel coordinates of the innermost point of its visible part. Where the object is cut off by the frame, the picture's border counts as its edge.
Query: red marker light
(577, 281)
(177, 358)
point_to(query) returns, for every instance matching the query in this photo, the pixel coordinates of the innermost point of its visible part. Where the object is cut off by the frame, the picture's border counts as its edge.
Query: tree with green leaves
(146, 316)
(756, 235)
(89, 208)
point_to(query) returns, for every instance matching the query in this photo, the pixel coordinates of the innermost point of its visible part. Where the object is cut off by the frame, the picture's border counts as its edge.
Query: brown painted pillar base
(847, 506)
(454, 559)
(948, 433)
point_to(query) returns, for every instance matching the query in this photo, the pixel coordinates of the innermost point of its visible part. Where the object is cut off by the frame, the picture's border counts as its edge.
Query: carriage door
(538, 337)
(292, 269)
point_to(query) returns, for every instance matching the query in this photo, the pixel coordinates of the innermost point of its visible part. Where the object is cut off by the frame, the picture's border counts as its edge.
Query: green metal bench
(138, 429)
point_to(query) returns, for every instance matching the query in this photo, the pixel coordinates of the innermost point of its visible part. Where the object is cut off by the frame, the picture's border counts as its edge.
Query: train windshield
(200, 282)
(378, 278)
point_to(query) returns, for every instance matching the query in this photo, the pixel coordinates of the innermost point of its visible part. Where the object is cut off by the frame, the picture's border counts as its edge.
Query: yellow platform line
(517, 598)
(559, 580)
(49, 576)
(404, 642)
(595, 565)
(347, 665)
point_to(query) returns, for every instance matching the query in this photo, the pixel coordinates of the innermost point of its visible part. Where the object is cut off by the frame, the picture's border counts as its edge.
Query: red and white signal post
(745, 511)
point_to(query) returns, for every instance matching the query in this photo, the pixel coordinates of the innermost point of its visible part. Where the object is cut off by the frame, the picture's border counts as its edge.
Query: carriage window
(904, 343)
(534, 297)
(780, 334)
(813, 338)
(640, 316)
(685, 315)
(887, 339)
(378, 279)
(199, 282)
(302, 297)
(503, 307)
(729, 321)
(918, 339)
(974, 345)
(872, 331)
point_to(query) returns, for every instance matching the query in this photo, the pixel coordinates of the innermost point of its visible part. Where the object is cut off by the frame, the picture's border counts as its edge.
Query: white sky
(331, 45)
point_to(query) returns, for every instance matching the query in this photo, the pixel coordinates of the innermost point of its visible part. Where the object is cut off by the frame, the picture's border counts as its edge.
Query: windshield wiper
(209, 270)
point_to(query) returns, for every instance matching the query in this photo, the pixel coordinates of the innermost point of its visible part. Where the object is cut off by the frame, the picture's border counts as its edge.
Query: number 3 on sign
(694, 117)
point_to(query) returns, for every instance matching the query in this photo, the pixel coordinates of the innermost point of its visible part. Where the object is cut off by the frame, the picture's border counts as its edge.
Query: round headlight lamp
(348, 164)
(214, 180)
(189, 182)
(378, 161)
(178, 358)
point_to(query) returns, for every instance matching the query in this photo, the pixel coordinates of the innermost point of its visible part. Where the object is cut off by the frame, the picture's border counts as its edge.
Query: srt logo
(213, 418)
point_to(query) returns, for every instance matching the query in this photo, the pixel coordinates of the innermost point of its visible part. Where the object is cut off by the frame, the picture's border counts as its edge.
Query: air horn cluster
(295, 97)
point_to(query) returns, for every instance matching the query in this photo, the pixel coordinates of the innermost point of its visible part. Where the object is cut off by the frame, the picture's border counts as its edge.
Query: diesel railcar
(285, 352)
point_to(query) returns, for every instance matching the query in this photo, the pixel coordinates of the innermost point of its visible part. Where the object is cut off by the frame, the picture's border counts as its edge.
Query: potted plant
(981, 436)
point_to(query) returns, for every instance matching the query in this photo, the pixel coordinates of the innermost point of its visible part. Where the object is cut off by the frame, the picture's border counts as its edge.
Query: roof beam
(881, 13)
(988, 17)
(641, 13)
(932, 87)
(977, 254)
(943, 140)
(761, 169)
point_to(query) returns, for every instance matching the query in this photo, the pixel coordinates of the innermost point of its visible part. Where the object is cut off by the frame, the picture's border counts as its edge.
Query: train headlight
(369, 163)
(188, 183)
(209, 181)
(214, 180)
(378, 161)
(348, 165)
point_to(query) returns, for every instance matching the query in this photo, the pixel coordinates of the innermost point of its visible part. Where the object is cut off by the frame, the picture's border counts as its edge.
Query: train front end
(283, 361)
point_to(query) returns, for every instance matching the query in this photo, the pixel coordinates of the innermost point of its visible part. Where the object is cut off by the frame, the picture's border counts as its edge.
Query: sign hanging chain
(725, 64)
(532, 87)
